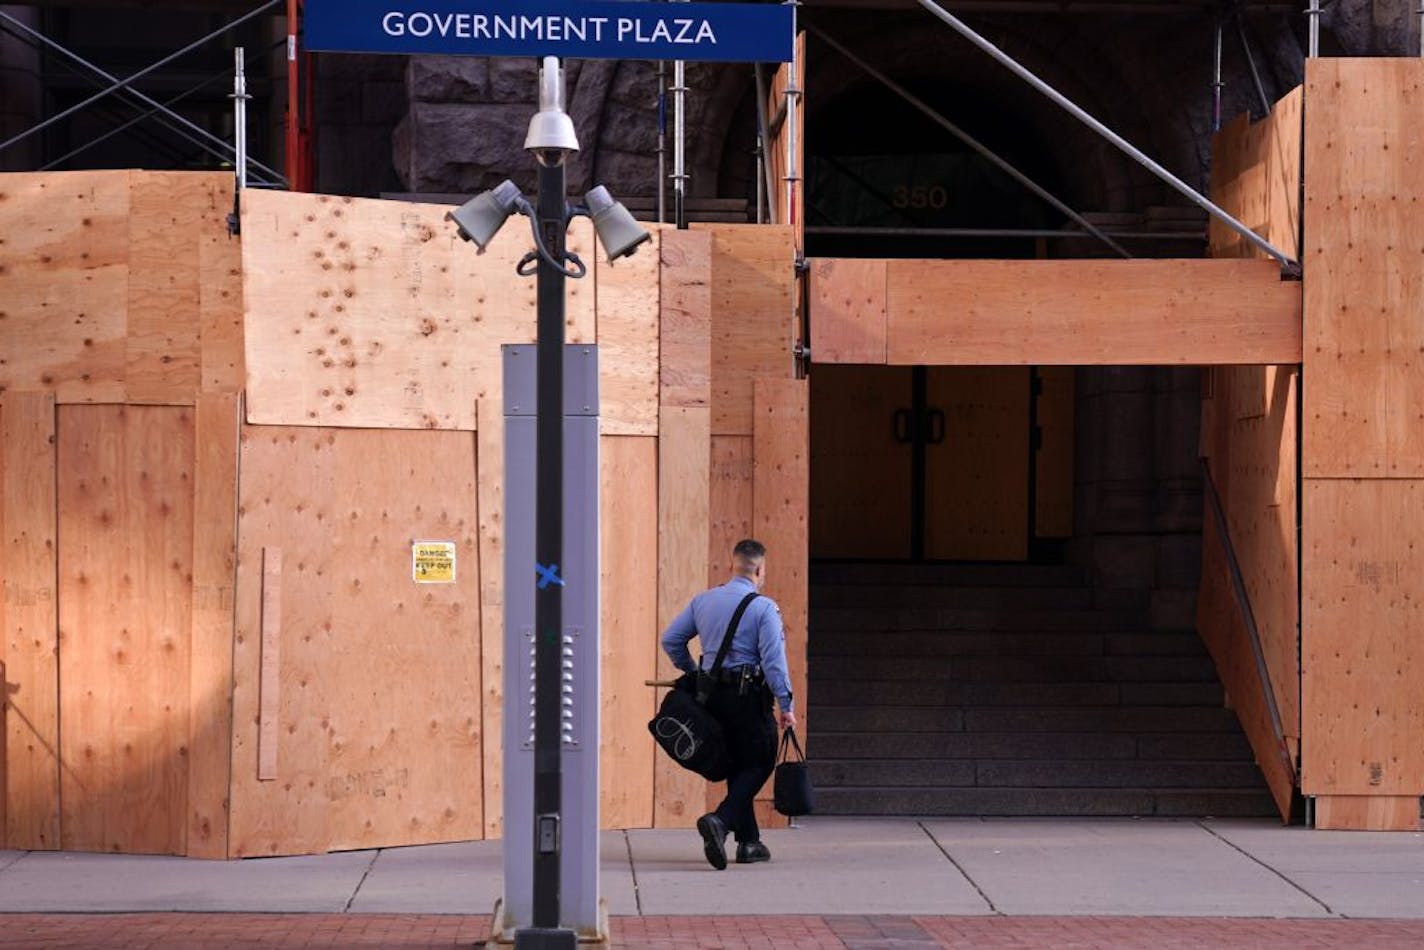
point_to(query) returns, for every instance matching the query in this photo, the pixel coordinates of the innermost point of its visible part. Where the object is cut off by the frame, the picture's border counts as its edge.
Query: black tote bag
(792, 794)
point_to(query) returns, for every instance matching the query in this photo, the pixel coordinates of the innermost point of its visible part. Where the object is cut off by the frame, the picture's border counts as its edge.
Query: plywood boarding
(163, 361)
(976, 479)
(64, 284)
(684, 446)
(1363, 412)
(753, 320)
(1362, 690)
(29, 635)
(788, 200)
(1139, 312)
(730, 503)
(859, 472)
(627, 313)
(1053, 508)
(375, 313)
(782, 472)
(1256, 175)
(629, 654)
(847, 307)
(214, 577)
(220, 316)
(489, 472)
(269, 668)
(1222, 627)
(380, 689)
(125, 619)
(685, 322)
(1367, 812)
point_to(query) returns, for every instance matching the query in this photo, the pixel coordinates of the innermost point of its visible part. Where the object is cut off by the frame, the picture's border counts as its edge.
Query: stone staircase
(1000, 690)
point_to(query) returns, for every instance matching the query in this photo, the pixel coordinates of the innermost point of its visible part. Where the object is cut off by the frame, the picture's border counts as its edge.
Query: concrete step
(1102, 802)
(945, 575)
(1016, 718)
(954, 643)
(869, 694)
(1054, 773)
(885, 619)
(1032, 746)
(921, 595)
(1016, 669)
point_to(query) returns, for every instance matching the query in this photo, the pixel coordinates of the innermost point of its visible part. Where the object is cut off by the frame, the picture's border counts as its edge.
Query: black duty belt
(736, 674)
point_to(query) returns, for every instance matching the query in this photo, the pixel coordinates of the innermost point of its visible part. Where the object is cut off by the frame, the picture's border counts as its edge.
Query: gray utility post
(574, 838)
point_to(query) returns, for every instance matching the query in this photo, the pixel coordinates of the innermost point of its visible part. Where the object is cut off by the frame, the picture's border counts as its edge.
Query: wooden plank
(1362, 331)
(220, 318)
(298, 515)
(1362, 667)
(684, 447)
(404, 746)
(1256, 175)
(753, 317)
(782, 472)
(162, 362)
(1138, 312)
(848, 301)
(976, 479)
(365, 313)
(269, 700)
(788, 200)
(1223, 629)
(860, 473)
(64, 283)
(730, 502)
(1367, 812)
(1053, 510)
(629, 646)
(214, 577)
(489, 471)
(627, 309)
(685, 321)
(29, 636)
(125, 617)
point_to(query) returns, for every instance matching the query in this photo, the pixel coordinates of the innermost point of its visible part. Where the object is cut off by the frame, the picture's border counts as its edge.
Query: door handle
(935, 426)
(902, 425)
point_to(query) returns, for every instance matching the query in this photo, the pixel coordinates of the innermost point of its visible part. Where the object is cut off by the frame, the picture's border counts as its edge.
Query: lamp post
(551, 139)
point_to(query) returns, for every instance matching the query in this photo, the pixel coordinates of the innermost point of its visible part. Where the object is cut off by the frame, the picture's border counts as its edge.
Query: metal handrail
(1243, 602)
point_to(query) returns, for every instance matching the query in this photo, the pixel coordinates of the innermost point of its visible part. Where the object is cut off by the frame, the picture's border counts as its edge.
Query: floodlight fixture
(480, 218)
(618, 232)
(551, 132)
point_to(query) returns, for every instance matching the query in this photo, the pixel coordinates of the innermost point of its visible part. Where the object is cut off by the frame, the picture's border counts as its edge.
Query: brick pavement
(848, 932)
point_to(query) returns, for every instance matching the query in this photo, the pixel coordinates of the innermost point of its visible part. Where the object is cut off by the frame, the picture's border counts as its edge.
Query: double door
(940, 462)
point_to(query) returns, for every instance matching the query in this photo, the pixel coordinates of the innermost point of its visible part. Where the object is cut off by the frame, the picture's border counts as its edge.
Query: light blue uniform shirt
(759, 641)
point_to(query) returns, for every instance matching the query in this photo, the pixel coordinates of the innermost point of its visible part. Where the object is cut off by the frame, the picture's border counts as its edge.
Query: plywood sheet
(1139, 312)
(1053, 493)
(374, 313)
(1362, 689)
(29, 635)
(629, 645)
(1223, 629)
(684, 446)
(782, 472)
(976, 479)
(860, 472)
(489, 470)
(1364, 273)
(685, 323)
(125, 618)
(220, 316)
(214, 578)
(1367, 812)
(847, 307)
(1256, 176)
(380, 690)
(753, 317)
(730, 503)
(64, 275)
(163, 361)
(627, 309)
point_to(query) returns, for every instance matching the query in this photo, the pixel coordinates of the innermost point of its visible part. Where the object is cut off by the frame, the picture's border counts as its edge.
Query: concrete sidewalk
(828, 866)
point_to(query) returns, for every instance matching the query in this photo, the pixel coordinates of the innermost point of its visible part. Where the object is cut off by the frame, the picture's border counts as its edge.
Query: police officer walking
(753, 672)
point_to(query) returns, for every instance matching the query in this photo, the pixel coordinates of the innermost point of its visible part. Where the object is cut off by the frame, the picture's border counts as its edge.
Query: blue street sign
(581, 29)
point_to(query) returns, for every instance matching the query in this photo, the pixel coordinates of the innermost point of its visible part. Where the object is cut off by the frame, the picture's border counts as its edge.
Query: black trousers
(751, 741)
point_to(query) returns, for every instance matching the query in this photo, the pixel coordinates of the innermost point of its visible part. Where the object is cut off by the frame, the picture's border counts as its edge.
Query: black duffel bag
(685, 728)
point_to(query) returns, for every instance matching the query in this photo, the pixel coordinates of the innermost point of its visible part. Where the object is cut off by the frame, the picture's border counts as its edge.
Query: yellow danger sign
(432, 562)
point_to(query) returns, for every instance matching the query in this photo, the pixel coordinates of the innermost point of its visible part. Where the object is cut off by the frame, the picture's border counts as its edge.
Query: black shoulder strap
(731, 632)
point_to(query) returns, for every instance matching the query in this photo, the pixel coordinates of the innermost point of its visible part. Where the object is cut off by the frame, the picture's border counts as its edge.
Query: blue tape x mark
(548, 575)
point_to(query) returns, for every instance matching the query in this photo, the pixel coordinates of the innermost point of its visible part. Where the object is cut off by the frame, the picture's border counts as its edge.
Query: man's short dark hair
(749, 549)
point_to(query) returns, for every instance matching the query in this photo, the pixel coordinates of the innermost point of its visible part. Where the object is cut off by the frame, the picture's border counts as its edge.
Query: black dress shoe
(714, 838)
(752, 852)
